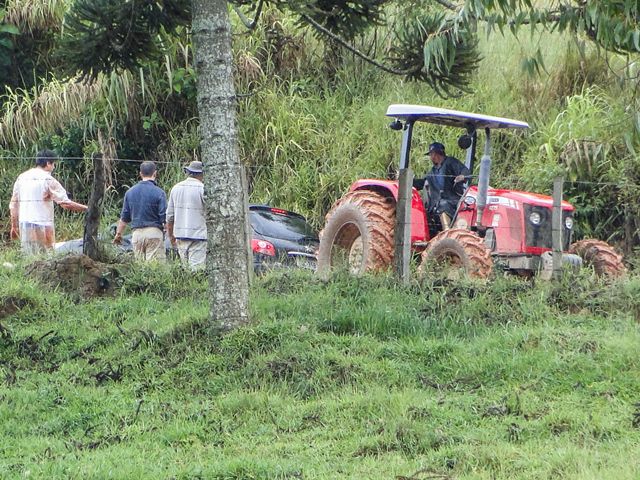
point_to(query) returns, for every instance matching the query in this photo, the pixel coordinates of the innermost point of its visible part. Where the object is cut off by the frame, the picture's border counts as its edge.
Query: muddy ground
(76, 275)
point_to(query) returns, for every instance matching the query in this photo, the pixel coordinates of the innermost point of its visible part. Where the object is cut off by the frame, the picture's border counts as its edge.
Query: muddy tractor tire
(358, 233)
(457, 251)
(602, 256)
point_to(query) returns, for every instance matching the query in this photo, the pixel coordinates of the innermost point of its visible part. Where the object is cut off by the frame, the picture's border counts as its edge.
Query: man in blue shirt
(145, 208)
(446, 185)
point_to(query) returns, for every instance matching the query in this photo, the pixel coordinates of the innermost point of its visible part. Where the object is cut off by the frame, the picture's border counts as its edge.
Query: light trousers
(148, 244)
(193, 253)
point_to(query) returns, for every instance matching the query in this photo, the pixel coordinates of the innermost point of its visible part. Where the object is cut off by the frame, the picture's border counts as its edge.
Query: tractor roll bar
(483, 177)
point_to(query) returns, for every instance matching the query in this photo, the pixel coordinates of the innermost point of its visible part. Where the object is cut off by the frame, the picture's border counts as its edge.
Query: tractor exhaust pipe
(483, 178)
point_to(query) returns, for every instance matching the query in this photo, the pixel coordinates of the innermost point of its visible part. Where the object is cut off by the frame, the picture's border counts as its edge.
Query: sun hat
(194, 167)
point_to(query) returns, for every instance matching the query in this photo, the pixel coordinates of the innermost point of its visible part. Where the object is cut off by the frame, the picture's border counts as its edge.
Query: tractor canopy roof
(451, 118)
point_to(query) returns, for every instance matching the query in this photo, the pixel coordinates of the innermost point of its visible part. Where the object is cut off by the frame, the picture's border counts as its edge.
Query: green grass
(350, 378)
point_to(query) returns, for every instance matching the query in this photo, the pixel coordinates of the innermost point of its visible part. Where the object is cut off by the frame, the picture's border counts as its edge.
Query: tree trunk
(228, 257)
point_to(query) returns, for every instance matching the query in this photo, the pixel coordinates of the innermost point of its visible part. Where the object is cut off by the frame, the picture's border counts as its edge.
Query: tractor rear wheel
(606, 262)
(358, 233)
(457, 252)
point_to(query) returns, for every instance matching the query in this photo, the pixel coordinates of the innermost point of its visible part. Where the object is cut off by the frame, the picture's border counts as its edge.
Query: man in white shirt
(31, 205)
(186, 224)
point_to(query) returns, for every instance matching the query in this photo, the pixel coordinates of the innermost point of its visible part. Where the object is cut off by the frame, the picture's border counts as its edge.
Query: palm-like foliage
(104, 35)
(346, 18)
(612, 24)
(436, 50)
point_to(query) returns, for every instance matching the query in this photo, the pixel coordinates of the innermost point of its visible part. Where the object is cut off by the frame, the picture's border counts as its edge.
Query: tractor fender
(389, 188)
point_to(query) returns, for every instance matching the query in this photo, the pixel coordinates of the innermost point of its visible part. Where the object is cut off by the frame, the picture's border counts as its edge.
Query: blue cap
(436, 147)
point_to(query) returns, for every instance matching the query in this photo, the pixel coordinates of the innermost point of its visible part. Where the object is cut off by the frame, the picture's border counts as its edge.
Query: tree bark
(228, 255)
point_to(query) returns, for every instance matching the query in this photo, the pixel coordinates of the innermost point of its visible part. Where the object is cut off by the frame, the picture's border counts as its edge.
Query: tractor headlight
(568, 222)
(535, 218)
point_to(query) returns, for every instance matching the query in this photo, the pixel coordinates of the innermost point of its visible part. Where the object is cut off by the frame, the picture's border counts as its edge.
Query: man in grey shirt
(186, 224)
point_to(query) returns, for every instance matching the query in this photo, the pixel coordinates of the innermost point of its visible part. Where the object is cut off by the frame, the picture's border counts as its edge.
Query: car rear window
(280, 225)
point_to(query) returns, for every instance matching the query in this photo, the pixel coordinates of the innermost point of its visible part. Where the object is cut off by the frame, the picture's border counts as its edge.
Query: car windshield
(279, 225)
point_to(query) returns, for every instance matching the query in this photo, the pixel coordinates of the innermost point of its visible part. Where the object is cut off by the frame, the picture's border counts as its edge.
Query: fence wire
(256, 170)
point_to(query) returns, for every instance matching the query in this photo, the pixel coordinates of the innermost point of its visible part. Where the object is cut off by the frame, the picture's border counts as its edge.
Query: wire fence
(492, 212)
(255, 171)
(255, 168)
(626, 188)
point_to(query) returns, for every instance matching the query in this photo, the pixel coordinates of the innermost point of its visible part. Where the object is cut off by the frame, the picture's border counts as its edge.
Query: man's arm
(14, 210)
(170, 218)
(59, 195)
(73, 206)
(162, 206)
(117, 238)
(123, 221)
(172, 238)
(461, 172)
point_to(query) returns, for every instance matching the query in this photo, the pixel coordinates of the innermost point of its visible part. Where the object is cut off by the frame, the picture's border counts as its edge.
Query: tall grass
(305, 136)
(27, 115)
(36, 15)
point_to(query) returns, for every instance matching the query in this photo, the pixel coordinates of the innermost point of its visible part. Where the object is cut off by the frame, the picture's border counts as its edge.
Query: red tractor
(491, 226)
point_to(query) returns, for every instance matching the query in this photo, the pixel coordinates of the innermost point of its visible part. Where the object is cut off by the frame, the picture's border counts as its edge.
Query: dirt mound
(77, 275)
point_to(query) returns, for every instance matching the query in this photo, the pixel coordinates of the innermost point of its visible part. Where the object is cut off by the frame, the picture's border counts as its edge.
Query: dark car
(279, 239)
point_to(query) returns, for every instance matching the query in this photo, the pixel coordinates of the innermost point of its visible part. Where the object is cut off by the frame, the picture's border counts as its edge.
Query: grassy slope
(356, 378)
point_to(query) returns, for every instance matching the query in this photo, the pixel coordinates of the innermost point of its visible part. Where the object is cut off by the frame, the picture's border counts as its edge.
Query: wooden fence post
(402, 248)
(556, 227)
(90, 245)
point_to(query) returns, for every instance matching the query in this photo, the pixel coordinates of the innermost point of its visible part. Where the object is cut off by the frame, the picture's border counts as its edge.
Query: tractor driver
(445, 182)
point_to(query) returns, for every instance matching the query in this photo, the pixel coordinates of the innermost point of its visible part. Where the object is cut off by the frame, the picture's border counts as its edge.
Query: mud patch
(76, 275)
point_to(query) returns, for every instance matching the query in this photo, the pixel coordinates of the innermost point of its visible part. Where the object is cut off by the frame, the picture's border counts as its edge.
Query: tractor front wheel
(358, 233)
(457, 252)
(602, 256)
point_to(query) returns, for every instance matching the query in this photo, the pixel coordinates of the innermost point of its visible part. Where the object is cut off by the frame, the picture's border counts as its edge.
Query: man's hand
(14, 234)
(117, 238)
(458, 179)
(172, 238)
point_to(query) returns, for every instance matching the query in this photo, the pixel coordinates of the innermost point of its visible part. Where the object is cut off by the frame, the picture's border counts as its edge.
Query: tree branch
(352, 49)
(448, 5)
(250, 24)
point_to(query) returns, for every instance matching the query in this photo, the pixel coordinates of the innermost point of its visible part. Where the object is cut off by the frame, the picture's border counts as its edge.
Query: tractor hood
(451, 118)
(521, 197)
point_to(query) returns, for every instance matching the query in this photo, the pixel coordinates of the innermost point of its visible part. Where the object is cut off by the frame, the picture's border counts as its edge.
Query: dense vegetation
(312, 119)
(350, 378)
